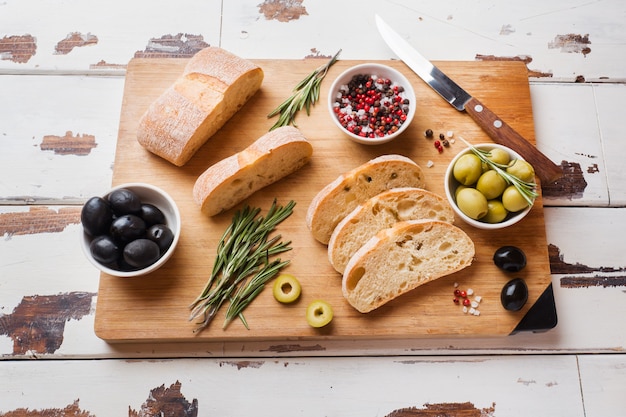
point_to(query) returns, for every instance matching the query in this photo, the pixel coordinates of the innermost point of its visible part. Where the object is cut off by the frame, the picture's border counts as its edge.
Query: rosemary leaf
(244, 251)
(304, 95)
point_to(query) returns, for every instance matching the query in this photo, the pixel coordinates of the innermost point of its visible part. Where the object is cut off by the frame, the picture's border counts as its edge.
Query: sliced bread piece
(403, 257)
(381, 212)
(213, 87)
(270, 158)
(340, 197)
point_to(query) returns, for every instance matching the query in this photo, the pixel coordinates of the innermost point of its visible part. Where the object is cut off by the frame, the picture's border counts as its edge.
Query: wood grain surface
(155, 307)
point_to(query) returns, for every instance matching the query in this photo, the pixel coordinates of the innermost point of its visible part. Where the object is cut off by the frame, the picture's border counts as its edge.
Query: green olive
(459, 188)
(512, 199)
(491, 184)
(472, 202)
(499, 156)
(522, 170)
(319, 313)
(467, 169)
(495, 212)
(286, 288)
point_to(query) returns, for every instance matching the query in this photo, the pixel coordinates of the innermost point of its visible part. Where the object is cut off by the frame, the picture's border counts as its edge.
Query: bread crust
(380, 212)
(402, 258)
(214, 85)
(337, 199)
(270, 158)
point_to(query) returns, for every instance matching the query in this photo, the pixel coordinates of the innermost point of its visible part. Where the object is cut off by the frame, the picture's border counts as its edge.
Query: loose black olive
(151, 215)
(104, 250)
(514, 294)
(124, 201)
(510, 258)
(161, 235)
(127, 228)
(96, 216)
(141, 253)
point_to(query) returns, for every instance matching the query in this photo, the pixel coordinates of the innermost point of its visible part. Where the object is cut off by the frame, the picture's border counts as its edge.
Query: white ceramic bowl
(160, 199)
(451, 184)
(384, 71)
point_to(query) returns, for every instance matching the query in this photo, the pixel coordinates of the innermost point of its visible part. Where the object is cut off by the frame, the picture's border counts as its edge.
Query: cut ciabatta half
(403, 257)
(213, 87)
(337, 199)
(270, 158)
(381, 212)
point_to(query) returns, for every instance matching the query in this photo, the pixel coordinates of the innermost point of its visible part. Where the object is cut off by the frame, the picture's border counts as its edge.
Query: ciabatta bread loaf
(381, 212)
(403, 257)
(213, 87)
(270, 158)
(340, 197)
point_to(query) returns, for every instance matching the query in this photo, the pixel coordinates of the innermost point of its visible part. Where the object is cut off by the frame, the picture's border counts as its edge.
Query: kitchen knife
(495, 127)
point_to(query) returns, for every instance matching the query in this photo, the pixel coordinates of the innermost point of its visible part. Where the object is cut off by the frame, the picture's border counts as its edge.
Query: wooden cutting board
(155, 307)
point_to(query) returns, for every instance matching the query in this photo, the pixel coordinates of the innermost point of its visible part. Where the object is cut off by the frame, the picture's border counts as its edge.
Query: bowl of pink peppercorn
(372, 103)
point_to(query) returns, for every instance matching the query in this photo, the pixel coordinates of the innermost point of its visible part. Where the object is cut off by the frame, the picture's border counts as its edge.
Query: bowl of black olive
(130, 231)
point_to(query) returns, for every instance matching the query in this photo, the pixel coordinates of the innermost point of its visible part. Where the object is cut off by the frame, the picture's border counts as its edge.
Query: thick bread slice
(402, 258)
(214, 85)
(340, 197)
(380, 212)
(270, 158)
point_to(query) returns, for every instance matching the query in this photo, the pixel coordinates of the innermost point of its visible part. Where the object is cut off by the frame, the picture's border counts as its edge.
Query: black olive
(161, 235)
(104, 250)
(151, 215)
(124, 201)
(128, 228)
(514, 294)
(96, 216)
(510, 258)
(141, 253)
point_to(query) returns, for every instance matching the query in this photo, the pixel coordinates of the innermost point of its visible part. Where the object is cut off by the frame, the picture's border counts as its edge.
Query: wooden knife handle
(502, 133)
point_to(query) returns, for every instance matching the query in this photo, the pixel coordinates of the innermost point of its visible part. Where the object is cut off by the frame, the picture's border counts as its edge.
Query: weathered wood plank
(610, 108)
(102, 36)
(395, 386)
(603, 383)
(58, 137)
(556, 40)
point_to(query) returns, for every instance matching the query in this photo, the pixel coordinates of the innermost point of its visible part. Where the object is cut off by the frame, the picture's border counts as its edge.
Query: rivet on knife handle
(505, 135)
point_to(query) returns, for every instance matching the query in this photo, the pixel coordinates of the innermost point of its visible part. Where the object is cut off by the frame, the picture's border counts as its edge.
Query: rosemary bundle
(526, 189)
(242, 266)
(305, 94)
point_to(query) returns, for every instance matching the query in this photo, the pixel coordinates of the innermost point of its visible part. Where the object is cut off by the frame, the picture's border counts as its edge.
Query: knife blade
(494, 126)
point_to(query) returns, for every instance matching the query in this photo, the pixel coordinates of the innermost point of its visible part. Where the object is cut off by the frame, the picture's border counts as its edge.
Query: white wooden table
(62, 67)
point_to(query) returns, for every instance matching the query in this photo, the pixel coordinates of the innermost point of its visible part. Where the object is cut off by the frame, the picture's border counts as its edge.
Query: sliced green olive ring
(319, 313)
(287, 288)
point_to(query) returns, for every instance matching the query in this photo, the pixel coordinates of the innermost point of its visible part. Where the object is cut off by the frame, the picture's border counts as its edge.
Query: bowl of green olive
(130, 231)
(490, 186)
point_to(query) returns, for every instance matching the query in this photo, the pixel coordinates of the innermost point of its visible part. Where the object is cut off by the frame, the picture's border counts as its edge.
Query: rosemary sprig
(304, 95)
(243, 251)
(526, 189)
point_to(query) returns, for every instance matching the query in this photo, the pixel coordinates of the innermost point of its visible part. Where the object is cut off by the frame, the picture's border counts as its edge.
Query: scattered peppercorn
(442, 136)
(445, 142)
(428, 133)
